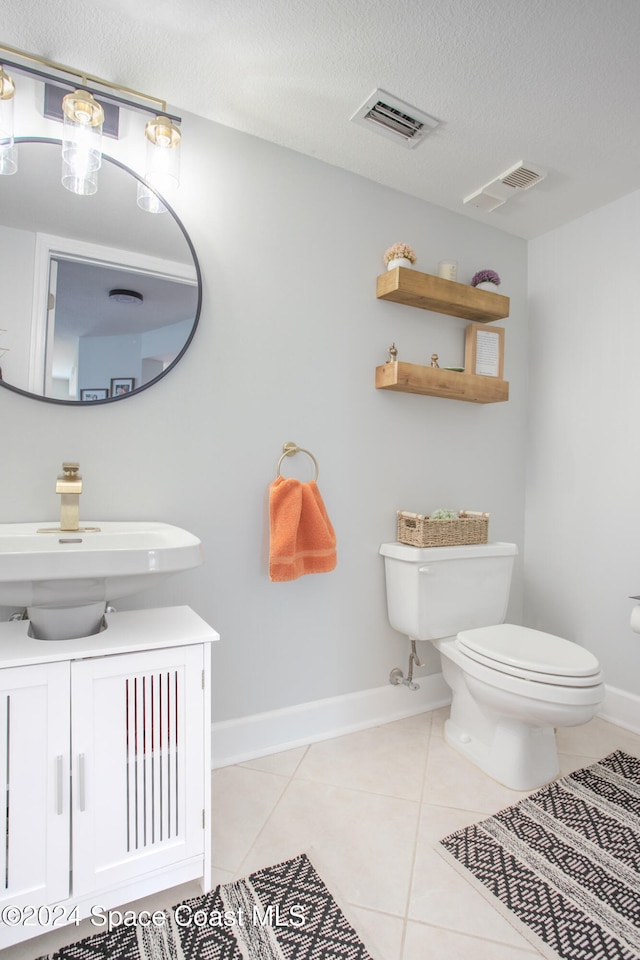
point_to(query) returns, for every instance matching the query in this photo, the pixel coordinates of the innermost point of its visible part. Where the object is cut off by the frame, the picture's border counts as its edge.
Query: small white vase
(399, 262)
(487, 285)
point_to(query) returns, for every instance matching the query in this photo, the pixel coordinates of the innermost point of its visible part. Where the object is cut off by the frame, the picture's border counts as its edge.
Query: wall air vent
(395, 119)
(509, 184)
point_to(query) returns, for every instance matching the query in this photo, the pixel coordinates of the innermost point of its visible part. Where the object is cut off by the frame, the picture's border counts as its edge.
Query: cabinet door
(138, 764)
(34, 784)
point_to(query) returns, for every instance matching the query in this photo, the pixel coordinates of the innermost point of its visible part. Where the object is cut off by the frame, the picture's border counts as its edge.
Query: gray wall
(583, 507)
(289, 337)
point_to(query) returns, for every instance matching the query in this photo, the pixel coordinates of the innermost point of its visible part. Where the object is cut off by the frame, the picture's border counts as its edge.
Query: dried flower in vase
(399, 251)
(485, 276)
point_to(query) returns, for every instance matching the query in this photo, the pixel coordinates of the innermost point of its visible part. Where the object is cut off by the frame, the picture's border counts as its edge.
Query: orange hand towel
(302, 539)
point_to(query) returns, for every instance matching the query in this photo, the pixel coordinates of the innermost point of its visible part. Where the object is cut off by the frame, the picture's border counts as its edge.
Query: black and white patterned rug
(564, 864)
(284, 912)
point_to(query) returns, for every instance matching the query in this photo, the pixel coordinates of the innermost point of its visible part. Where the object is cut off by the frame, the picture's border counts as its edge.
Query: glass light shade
(77, 177)
(8, 149)
(81, 142)
(8, 160)
(162, 170)
(149, 201)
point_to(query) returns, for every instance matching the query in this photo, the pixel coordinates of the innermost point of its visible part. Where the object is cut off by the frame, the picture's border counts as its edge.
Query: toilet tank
(434, 592)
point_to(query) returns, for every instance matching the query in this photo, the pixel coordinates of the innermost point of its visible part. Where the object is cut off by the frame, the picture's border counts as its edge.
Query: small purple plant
(485, 276)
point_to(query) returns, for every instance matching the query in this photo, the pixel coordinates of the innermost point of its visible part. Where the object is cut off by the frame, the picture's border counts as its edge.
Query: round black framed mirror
(101, 299)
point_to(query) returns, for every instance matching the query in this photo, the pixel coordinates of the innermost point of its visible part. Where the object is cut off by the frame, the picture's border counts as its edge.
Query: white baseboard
(622, 708)
(234, 741)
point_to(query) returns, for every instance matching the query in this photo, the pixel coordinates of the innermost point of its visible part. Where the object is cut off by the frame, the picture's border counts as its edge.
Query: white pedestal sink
(65, 578)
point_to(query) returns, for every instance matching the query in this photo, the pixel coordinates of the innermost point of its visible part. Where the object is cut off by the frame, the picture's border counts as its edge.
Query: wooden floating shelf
(403, 285)
(436, 382)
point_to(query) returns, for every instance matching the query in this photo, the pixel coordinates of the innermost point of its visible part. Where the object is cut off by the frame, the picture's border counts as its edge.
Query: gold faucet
(69, 486)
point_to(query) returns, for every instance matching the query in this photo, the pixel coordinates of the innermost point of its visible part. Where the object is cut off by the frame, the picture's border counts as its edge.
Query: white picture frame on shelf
(484, 350)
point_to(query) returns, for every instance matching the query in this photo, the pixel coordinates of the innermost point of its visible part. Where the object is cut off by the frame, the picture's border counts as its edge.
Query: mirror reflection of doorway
(105, 321)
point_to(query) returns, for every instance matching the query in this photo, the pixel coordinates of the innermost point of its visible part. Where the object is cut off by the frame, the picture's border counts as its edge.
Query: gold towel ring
(290, 449)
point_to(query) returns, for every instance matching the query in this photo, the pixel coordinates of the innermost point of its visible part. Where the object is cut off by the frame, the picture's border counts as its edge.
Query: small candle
(448, 269)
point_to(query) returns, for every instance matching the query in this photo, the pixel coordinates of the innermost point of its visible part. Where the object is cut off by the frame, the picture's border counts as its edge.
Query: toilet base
(520, 756)
(506, 725)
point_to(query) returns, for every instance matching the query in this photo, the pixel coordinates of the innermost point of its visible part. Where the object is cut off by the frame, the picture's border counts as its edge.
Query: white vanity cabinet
(105, 764)
(34, 791)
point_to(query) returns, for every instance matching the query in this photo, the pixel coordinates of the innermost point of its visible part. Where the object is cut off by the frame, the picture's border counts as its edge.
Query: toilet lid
(524, 651)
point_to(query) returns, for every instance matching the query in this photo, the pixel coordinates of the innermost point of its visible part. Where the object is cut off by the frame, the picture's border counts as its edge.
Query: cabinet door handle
(81, 786)
(59, 784)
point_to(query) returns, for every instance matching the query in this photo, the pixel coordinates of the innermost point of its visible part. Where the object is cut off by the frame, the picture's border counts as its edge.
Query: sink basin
(65, 579)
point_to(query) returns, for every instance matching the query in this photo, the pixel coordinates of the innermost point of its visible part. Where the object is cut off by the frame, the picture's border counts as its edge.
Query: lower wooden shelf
(436, 382)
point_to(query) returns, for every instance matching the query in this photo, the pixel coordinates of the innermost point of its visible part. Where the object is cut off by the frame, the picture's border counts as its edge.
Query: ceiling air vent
(395, 119)
(521, 177)
(507, 185)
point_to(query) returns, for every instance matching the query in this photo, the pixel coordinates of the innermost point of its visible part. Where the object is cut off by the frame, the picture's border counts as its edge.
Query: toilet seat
(538, 686)
(530, 654)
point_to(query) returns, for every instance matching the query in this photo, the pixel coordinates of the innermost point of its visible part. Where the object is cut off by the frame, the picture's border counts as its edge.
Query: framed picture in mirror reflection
(93, 393)
(122, 385)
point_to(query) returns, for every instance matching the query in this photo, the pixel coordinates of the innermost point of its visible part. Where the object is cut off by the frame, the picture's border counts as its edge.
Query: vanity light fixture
(81, 142)
(82, 114)
(8, 152)
(162, 169)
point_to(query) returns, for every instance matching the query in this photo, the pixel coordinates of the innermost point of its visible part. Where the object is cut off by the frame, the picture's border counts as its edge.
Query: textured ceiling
(555, 83)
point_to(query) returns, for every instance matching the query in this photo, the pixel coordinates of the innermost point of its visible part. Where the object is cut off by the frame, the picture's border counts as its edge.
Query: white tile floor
(369, 809)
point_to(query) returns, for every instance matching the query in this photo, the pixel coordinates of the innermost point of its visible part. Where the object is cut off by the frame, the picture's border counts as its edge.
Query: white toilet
(511, 686)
